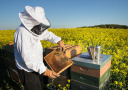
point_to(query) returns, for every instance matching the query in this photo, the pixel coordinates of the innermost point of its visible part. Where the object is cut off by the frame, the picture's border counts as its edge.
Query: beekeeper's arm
(50, 36)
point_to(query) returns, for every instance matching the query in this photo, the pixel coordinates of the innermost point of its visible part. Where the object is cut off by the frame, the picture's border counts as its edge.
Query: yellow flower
(67, 85)
(124, 65)
(59, 85)
(64, 88)
(116, 82)
(68, 80)
(120, 83)
(116, 70)
(47, 84)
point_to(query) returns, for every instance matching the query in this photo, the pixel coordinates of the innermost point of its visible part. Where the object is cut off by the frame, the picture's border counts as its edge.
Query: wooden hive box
(70, 50)
(91, 72)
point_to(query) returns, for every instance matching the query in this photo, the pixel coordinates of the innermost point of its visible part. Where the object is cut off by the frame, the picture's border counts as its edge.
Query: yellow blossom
(120, 83)
(68, 80)
(67, 85)
(64, 88)
(59, 85)
(116, 82)
(47, 84)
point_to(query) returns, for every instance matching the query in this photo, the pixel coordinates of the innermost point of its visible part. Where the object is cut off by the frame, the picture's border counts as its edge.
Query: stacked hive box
(88, 74)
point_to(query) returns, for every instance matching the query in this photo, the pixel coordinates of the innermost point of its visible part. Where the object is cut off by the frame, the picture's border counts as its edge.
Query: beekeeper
(28, 48)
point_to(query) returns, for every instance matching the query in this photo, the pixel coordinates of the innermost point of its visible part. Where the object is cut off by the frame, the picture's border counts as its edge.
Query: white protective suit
(28, 49)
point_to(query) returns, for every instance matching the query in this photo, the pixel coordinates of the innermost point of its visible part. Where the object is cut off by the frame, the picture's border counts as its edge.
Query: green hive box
(89, 79)
(94, 81)
(76, 85)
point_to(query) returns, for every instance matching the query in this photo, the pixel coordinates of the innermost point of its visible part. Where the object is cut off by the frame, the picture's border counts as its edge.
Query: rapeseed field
(114, 42)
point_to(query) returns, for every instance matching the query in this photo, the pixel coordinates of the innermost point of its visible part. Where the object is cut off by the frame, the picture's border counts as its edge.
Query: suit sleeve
(50, 36)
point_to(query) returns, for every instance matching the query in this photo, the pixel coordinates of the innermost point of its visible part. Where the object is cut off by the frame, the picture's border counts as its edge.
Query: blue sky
(67, 13)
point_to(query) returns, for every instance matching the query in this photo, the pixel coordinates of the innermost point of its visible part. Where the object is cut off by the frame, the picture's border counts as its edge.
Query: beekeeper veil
(34, 19)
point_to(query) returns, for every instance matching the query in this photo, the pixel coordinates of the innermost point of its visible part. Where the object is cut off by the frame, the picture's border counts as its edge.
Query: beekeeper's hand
(50, 74)
(61, 45)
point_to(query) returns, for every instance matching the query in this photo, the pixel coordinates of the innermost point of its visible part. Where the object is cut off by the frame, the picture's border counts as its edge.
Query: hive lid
(84, 60)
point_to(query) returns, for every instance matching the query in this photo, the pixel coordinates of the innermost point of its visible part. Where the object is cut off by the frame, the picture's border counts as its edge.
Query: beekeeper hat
(37, 13)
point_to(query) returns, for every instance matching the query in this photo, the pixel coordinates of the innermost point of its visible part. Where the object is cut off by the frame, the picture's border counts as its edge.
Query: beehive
(91, 73)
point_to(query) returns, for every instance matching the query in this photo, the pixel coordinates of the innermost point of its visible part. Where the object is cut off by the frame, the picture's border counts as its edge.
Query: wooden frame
(58, 61)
